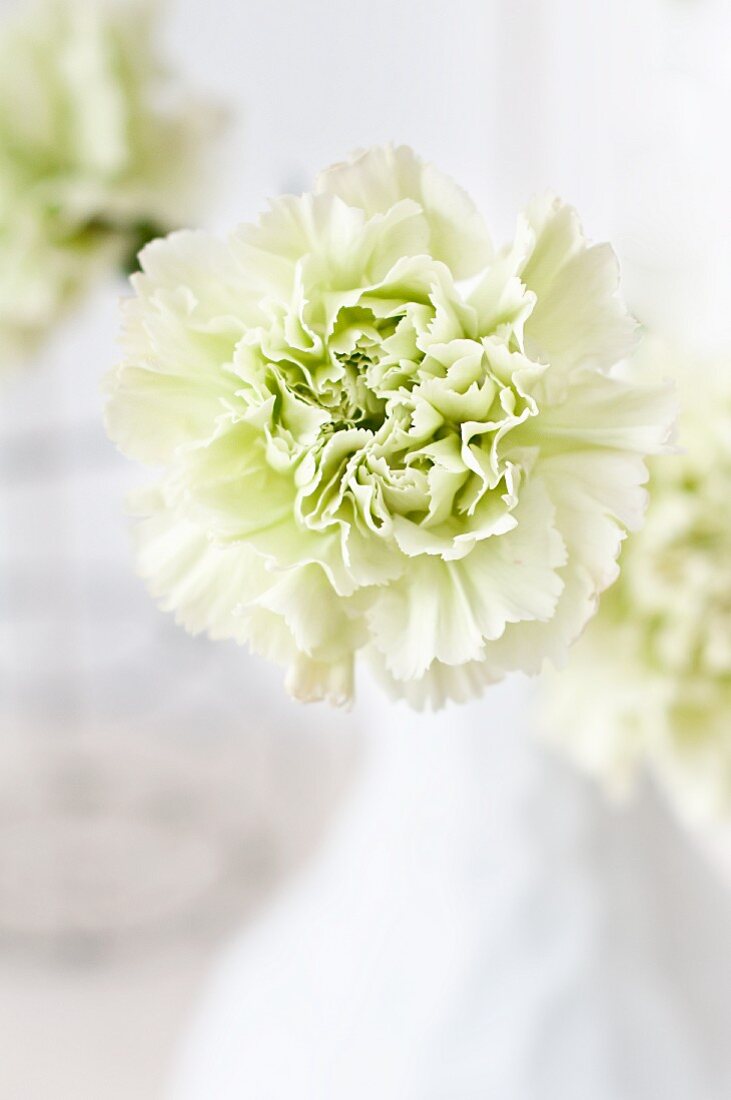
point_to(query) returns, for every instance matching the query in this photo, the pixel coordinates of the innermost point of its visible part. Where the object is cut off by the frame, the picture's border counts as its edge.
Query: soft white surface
(480, 924)
(98, 1035)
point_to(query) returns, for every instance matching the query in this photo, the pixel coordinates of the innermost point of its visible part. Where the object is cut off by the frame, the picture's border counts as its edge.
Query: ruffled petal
(598, 496)
(227, 591)
(178, 339)
(422, 617)
(578, 317)
(314, 613)
(447, 611)
(312, 681)
(440, 684)
(235, 491)
(605, 413)
(204, 584)
(376, 180)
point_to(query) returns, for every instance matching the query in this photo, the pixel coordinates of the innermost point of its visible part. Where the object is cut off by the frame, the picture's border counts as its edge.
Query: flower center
(354, 403)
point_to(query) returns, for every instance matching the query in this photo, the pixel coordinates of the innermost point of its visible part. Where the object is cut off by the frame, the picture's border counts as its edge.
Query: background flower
(380, 435)
(650, 683)
(99, 151)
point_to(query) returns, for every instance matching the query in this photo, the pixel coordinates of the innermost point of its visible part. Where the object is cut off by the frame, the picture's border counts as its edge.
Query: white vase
(480, 924)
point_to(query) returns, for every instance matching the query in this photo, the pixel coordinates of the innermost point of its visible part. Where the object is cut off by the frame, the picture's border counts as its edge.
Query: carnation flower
(650, 683)
(98, 153)
(381, 437)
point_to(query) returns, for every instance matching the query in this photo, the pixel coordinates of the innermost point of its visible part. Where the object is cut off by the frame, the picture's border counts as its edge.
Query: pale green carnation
(99, 150)
(650, 683)
(380, 436)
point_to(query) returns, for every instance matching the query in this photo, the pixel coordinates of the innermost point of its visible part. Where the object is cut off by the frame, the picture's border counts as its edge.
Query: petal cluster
(381, 436)
(650, 683)
(99, 150)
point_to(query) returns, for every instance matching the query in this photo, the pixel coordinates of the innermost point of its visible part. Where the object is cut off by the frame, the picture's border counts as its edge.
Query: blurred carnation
(382, 436)
(650, 683)
(99, 152)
